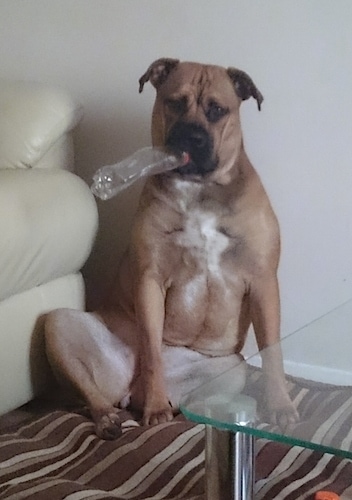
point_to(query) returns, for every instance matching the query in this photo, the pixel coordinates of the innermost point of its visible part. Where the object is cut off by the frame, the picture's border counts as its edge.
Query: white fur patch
(187, 192)
(193, 289)
(202, 238)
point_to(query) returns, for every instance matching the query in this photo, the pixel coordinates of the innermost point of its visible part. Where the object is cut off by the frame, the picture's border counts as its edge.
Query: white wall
(298, 52)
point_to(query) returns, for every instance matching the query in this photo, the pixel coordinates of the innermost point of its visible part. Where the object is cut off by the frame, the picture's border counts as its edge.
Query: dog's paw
(279, 408)
(157, 415)
(282, 411)
(284, 417)
(108, 425)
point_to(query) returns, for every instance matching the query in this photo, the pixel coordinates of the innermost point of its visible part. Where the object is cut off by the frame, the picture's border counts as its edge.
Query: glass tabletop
(318, 367)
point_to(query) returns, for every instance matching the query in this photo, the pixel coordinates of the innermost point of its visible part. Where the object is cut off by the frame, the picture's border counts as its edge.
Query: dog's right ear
(157, 72)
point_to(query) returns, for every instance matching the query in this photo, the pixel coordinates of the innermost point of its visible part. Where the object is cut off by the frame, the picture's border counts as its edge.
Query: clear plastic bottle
(112, 179)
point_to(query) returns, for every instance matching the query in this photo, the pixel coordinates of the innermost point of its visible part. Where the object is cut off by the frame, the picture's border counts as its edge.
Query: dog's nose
(197, 138)
(189, 137)
(192, 138)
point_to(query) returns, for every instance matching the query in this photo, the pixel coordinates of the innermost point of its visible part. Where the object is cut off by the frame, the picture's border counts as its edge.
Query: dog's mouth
(193, 145)
(186, 165)
(185, 159)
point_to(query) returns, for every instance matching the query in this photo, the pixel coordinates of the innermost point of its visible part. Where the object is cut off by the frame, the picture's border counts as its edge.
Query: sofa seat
(48, 222)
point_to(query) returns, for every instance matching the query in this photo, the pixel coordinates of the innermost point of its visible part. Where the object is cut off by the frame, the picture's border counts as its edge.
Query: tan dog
(200, 268)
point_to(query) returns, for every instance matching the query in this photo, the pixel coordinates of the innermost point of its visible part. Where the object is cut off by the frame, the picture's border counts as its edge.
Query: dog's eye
(177, 106)
(215, 112)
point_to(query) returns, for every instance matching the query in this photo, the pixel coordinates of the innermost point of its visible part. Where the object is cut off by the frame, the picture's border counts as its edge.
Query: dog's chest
(200, 235)
(202, 239)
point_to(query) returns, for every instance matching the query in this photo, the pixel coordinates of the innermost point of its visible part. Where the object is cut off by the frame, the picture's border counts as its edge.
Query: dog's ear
(157, 72)
(244, 85)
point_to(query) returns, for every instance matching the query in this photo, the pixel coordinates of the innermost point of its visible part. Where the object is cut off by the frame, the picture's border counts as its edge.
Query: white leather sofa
(48, 221)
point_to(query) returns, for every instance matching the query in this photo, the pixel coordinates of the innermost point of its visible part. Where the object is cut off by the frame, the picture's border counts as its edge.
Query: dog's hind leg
(83, 352)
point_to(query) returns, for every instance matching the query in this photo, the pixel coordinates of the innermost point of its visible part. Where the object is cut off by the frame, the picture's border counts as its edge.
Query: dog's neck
(234, 171)
(181, 194)
(231, 177)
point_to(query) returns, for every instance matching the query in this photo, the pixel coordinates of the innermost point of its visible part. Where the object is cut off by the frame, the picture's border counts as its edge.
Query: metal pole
(243, 466)
(229, 465)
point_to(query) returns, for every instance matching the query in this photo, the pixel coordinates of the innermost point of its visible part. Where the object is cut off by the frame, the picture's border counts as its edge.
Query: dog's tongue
(185, 158)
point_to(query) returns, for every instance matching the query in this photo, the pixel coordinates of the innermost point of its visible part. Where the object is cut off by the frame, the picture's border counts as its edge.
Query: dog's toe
(159, 417)
(284, 417)
(108, 427)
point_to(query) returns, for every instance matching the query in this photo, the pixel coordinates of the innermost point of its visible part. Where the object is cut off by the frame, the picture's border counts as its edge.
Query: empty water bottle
(112, 179)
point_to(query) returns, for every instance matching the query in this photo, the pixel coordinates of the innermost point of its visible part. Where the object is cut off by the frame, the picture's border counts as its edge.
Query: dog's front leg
(150, 311)
(265, 315)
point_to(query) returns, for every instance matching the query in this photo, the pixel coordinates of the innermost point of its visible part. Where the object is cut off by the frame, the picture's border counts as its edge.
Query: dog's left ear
(157, 72)
(244, 85)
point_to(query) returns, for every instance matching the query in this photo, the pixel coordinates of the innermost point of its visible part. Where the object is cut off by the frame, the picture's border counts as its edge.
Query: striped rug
(54, 454)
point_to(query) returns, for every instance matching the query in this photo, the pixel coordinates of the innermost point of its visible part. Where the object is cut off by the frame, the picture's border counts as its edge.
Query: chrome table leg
(243, 466)
(229, 465)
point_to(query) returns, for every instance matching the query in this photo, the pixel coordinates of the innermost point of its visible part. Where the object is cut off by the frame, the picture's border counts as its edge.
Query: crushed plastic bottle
(112, 179)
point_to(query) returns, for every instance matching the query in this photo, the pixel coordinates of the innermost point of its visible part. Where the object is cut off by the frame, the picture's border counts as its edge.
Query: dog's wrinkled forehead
(197, 78)
(197, 81)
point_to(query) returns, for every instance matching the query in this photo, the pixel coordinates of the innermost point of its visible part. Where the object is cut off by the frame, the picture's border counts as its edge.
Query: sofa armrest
(48, 222)
(34, 119)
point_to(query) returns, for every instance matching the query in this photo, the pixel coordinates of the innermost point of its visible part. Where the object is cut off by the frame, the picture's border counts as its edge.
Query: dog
(200, 268)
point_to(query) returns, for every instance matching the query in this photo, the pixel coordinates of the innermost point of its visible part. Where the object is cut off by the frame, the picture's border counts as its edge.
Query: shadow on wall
(115, 221)
(98, 142)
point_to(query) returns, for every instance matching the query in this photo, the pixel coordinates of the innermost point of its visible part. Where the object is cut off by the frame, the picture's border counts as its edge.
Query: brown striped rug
(54, 454)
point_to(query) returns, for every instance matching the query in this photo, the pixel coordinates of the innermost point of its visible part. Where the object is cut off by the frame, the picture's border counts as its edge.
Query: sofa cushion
(33, 117)
(48, 220)
(24, 369)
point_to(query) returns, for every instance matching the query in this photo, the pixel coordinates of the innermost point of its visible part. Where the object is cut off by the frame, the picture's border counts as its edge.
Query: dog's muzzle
(194, 140)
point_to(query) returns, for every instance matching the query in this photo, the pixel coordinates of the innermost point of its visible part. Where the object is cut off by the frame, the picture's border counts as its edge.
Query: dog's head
(197, 111)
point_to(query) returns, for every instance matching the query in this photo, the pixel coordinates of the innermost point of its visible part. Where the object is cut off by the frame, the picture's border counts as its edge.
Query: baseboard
(312, 372)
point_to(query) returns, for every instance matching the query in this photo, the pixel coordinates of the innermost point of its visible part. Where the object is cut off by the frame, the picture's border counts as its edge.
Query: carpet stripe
(289, 463)
(116, 454)
(324, 428)
(32, 491)
(323, 482)
(159, 458)
(313, 473)
(57, 456)
(37, 454)
(164, 492)
(44, 471)
(162, 465)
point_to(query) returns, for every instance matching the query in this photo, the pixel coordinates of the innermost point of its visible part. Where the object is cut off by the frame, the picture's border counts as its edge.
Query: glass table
(316, 357)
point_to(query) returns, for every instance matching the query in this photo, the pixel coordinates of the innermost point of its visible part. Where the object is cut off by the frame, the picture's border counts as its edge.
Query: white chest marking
(194, 289)
(202, 238)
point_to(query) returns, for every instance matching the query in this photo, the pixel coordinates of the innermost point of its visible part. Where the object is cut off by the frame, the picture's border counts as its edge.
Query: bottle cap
(326, 495)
